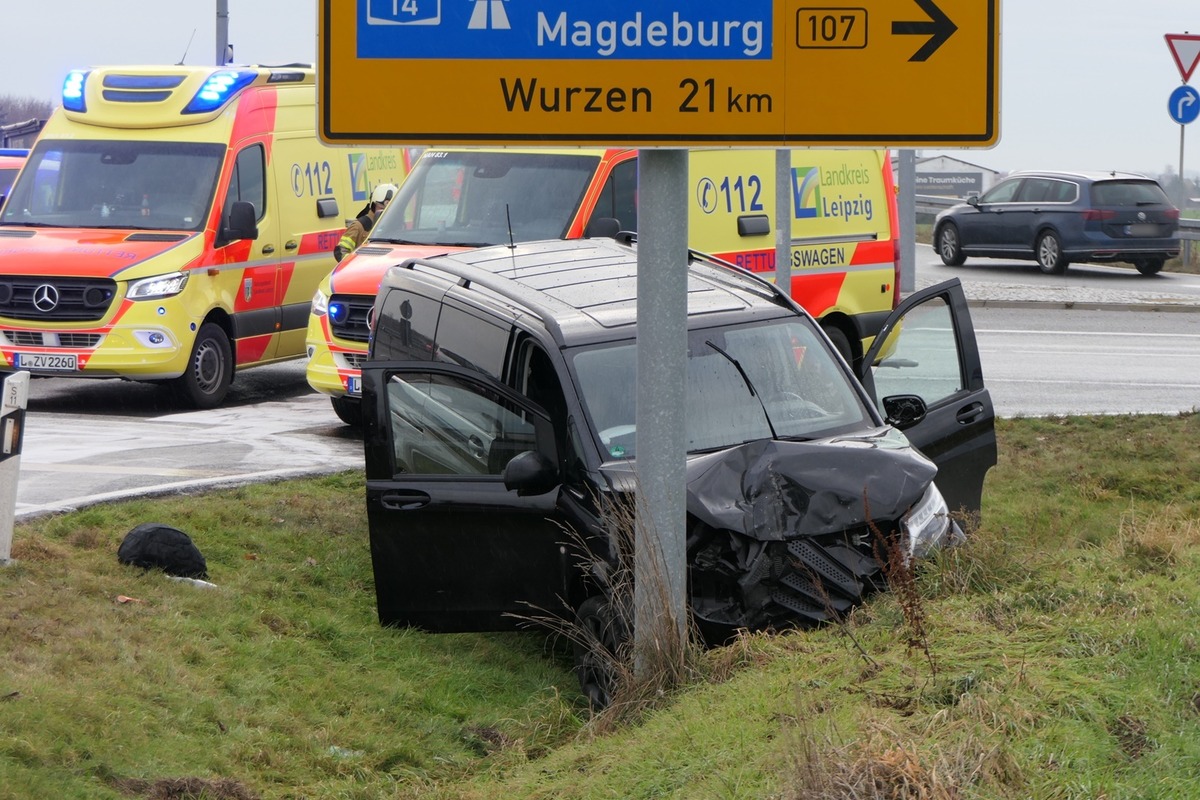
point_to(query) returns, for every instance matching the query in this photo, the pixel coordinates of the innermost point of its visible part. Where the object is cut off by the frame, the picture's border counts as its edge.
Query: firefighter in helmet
(356, 231)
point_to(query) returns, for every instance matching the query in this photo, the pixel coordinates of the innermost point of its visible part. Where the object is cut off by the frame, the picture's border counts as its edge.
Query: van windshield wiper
(749, 385)
(399, 241)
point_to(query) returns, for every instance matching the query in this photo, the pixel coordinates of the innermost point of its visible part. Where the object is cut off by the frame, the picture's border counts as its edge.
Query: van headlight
(928, 525)
(158, 286)
(320, 304)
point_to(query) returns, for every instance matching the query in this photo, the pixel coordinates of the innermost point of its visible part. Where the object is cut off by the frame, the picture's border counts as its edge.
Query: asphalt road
(92, 441)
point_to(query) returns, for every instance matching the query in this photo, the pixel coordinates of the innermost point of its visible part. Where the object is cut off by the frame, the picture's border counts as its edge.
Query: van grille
(74, 341)
(354, 325)
(55, 299)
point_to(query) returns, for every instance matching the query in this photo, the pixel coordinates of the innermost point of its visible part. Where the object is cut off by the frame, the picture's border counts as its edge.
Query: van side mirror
(240, 222)
(530, 473)
(904, 410)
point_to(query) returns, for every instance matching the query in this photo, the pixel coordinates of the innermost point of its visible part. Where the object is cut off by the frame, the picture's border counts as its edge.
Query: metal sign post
(12, 434)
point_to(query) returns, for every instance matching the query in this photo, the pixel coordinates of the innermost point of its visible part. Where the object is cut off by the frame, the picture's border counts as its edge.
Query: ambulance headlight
(72, 92)
(158, 286)
(320, 304)
(928, 525)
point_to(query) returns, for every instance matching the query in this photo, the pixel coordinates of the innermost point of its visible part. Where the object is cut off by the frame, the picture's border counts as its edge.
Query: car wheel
(349, 410)
(598, 639)
(1050, 255)
(209, 371)
(949, 247)
(1149, 266)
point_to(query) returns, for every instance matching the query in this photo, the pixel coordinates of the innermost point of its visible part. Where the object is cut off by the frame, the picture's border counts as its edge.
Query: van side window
(248, 181)
(470, 340)
(406, 327)
(447, 425)
(925, 359)
(618, 198)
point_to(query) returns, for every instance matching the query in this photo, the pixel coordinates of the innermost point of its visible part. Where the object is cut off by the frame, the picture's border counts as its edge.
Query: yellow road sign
(912, 73)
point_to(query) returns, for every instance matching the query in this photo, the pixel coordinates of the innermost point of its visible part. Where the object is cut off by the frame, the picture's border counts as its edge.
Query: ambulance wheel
(841, 342)
(209, 371)
(349, 410)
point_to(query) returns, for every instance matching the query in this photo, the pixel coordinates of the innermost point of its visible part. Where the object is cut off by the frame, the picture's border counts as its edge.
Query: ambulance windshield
(472, 199)
(116, 184)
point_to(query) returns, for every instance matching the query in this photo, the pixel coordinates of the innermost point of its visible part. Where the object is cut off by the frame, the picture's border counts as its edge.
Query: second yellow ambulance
(844, 232)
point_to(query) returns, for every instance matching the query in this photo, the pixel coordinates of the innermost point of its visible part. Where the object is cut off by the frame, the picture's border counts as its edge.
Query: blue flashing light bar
(72, 92)
(219, 89)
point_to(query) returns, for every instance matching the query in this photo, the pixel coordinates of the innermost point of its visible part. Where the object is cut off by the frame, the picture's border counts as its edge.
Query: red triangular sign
(1186, 51)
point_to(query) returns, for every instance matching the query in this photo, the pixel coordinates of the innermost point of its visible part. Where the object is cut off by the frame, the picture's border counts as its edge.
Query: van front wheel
(349, 410)
(209, 371)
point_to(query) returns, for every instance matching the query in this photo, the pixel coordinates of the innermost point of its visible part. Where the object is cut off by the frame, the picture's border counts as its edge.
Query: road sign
(1185, 49)
(1184, 104)
(666, 73)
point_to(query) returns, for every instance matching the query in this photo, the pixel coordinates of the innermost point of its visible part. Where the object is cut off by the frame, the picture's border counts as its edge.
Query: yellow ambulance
(172, 224)
(844, 232)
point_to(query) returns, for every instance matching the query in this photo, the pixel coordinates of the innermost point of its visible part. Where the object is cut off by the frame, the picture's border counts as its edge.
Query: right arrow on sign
(938, 28)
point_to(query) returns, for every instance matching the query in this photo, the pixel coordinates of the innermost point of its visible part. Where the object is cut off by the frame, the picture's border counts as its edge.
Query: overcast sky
(1084, 85)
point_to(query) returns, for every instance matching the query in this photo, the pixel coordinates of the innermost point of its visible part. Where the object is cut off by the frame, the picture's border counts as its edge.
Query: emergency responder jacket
(356, 234)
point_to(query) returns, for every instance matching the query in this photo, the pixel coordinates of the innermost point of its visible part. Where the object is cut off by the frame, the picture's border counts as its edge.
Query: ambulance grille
(353, 327)
(55, 299)
(75, 341)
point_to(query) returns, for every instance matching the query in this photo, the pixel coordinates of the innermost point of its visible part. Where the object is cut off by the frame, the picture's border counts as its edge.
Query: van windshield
(472, 199)
(776, 379)
(116, 184)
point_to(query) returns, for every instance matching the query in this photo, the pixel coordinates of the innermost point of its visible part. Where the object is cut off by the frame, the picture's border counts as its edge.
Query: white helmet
(383, 193)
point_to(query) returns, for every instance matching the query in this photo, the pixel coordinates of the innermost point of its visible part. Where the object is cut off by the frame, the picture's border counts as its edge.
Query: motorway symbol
(488, 15)
(1184, 105)
(1185, 50)
(938, 28)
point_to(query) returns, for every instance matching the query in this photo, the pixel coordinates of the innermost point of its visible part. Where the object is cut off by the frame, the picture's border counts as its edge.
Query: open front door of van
(927, 350)
(452, 549)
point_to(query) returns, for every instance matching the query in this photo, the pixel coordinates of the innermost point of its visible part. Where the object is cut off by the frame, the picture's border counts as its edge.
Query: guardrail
(1189, 229)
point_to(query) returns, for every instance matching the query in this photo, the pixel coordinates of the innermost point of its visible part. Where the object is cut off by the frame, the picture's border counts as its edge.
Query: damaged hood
(772, 490)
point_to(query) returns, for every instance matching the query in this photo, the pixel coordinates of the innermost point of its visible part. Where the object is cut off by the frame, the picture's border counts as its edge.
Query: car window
(1128, 193)
(922, 357)
(1002, 192)
(1046, 190)
(445, 425)
(480, 198)
(471, 340)
(745, 382)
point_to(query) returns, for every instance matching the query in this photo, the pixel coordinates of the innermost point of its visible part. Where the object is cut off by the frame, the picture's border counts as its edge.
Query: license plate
(1142, 229)
(354, 386)
(49, 362)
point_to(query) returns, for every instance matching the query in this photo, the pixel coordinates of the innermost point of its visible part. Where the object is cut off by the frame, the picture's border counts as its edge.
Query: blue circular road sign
(1184, 105)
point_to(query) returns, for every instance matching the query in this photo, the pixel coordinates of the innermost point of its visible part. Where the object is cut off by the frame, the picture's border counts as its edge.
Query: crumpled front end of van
(783, 533)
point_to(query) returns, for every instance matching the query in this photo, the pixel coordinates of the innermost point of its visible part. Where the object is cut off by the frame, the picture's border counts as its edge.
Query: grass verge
(1067, 664)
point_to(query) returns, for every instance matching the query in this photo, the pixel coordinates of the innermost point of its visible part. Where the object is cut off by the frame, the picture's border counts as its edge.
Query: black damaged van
(499, 414)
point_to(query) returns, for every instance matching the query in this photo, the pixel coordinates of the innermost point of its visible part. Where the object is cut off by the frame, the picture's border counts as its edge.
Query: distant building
(952, 177)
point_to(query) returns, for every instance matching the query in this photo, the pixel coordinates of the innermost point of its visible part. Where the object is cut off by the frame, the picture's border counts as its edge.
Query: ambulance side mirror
(240, 222)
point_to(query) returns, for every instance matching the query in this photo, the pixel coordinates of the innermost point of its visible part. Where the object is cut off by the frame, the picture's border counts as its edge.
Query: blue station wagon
(1056, 218)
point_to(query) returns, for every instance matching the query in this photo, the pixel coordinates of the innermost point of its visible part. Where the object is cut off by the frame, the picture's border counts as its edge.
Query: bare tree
(15, 110)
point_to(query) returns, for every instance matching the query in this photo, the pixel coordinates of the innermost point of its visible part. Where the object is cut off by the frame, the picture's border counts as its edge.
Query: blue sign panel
(543, 30)
(1184, 105)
